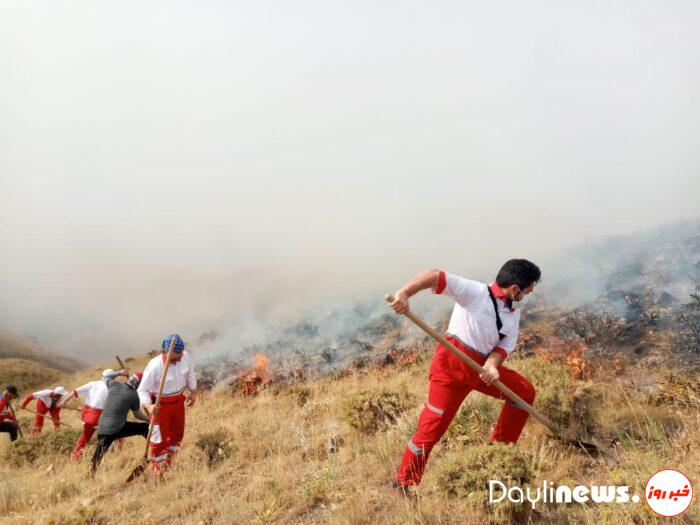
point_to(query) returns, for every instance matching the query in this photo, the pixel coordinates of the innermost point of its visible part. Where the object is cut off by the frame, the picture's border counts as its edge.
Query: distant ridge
(14, 346)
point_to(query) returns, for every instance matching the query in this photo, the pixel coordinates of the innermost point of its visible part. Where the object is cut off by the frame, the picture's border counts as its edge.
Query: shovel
(48, 417)
(144, 461)
(556, 432)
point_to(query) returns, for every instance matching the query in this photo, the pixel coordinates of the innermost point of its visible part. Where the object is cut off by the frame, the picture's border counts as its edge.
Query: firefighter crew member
(169, 424)
(7, 420)
(112, 425)
(46, 401)
(484, 325)
(94, 394)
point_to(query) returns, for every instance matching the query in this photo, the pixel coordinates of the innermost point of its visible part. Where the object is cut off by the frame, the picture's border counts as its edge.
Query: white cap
(60, 390)
(107, 372)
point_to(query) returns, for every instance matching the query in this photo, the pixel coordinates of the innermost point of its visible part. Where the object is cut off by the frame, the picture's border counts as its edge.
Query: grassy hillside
(324, 451)
(13, 346)
(26, 375)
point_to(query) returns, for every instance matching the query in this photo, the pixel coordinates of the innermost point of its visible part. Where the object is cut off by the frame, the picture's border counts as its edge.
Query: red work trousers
(168, 430)
(90, 417)
(42, 409)
(450, 382)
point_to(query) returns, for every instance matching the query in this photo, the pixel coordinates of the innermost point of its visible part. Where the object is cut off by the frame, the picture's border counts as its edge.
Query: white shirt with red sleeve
(94, 394)
(473, 320)
(180, 376)
(44, 396)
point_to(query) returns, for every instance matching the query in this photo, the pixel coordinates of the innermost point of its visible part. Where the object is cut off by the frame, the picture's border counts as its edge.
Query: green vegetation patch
(472, 424)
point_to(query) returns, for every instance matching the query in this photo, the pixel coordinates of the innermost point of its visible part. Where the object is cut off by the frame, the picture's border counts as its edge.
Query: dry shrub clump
(372, 410)
(642, 428)
(466, 475)
(471, 425)
(28, 450)
(680, 389)
(300, 392)
(316, 483)
(567, 402)
(78, 515)
(216, 446)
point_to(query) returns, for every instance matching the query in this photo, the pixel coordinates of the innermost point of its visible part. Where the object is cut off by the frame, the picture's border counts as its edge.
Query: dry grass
(290, 457)
(26, 375)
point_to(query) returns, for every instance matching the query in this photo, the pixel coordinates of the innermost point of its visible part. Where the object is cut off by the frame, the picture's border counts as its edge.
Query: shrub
(680, 389)
(60, 489)
(300, 393)
(568, 403)
(643, 428)
(372, 410)
(472, 424)
(314, 484)
(78, 515)
(689, 323)
(216, 446)
(29, 449)
(466, 475)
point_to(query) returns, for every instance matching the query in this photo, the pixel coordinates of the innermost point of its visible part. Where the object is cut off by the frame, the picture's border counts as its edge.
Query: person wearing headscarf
(179, 389)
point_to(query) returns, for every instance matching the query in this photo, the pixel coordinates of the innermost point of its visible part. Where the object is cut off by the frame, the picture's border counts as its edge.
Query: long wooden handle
(120, 363)
(14, 416)
(160, 393)
(477, 368)
(48, 417)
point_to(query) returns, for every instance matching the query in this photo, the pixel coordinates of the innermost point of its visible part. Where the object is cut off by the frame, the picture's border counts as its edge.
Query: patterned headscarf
(179, 343)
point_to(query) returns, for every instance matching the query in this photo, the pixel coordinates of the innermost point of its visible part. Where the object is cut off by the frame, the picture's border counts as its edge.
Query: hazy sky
(167, 165)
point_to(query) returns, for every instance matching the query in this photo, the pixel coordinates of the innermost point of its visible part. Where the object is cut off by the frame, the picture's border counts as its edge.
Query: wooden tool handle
(48, 417)
(476, 367)
(120, 363)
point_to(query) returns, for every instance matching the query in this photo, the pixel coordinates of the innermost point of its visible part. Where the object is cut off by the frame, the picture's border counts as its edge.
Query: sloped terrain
(325, 450)
(14, 346)
(26, 375)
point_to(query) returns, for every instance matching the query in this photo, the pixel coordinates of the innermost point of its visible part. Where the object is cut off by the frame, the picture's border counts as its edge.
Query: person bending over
(112, 425)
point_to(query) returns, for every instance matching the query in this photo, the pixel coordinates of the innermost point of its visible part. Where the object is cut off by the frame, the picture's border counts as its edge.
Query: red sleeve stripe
(442, 282)
(75, 393)
(500, 351)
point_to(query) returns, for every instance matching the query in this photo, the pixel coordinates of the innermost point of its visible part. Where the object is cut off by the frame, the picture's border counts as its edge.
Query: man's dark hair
(12, 389)
(518, 271)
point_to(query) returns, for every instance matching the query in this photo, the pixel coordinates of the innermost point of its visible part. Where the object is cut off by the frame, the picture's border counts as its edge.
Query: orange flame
(567, 352)
(260, 363)
(253, 380)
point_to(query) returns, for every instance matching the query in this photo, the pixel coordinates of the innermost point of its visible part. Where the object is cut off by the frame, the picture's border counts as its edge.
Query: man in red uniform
(169, 426)
(46, 401)
(7, 420)
(94, 394)
(484, 325)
